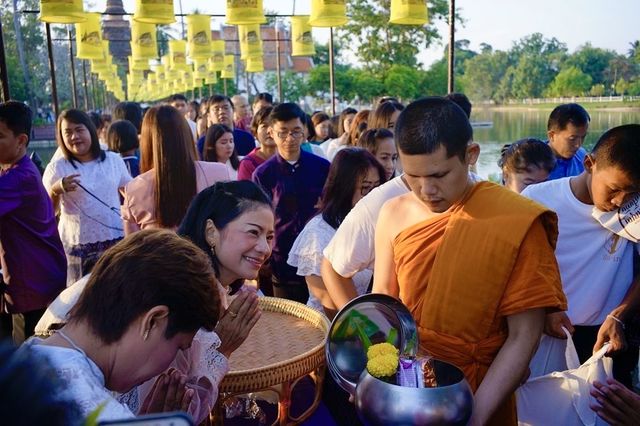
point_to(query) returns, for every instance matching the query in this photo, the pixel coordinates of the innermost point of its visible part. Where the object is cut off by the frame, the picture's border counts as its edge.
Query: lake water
(507, 127)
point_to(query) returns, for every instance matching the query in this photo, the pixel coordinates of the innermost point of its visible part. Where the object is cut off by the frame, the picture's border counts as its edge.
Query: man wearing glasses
(221, 112)
(294, 180)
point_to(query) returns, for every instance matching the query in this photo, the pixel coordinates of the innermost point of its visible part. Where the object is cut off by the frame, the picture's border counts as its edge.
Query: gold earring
(145, 336)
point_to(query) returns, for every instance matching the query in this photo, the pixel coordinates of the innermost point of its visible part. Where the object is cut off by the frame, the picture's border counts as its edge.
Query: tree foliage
(379, 44)
(570, 81)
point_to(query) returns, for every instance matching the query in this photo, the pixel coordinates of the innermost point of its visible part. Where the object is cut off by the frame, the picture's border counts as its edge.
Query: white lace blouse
(83, 218)
(306, 255)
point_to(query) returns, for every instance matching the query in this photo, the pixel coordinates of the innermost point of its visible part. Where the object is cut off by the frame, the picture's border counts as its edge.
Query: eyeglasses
(218, 108)
(296, 134)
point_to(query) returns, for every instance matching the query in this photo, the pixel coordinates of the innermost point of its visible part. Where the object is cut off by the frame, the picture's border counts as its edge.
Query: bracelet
(616, 319)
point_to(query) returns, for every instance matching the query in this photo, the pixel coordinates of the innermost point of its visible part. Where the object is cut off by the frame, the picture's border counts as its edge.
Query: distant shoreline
(591, 106)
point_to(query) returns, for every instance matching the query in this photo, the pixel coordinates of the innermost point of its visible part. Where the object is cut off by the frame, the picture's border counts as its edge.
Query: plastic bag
(562, 397)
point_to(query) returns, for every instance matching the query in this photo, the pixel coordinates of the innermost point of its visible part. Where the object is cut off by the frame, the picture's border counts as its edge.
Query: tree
(367, 85)
(483, 73)
(379, 44)
(322, 53)
(622, 86)
(402, 81)
(434, 81)
(570, 82)
(294, 89)
(634, 51)
(592, 61)
(597, 90)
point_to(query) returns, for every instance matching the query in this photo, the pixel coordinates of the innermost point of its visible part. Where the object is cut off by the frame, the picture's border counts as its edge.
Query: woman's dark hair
(130, 111)
(379, 118)
(348, 167)
(76, 116)
(343, 116)
(166, 146)
(267, 97)
(519, 156)
(222, 203)
(370, 138)
(153, 267)
(358, 126)
(319, 117)
(97, 120)
(32, 392)
(260, 117)
(196, 107)
(215, 132)
(311, 130)
(122, 136)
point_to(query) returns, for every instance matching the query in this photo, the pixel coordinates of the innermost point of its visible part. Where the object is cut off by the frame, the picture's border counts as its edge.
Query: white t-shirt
(596, 265)
(193, 127)
(84, 381)
(84, 219)
(233, 173)
(352, 247)
(306, 255)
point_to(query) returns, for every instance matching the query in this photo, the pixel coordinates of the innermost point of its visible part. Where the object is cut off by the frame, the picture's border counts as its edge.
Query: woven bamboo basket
(286, 343)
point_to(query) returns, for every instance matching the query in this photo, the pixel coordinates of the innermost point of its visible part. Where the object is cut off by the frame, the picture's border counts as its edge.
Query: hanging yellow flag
(255, 64)
(301, 37)
(229, 70)
(154, 11)
(138, 64)
(244, 12)
(200, 68)
(178, 54)
(216, 61)
(409, 12)
(199, 36)
(62, 11)
(328, 13)
(250, 41)
(143, 40)
(89, 38)
(212, 78)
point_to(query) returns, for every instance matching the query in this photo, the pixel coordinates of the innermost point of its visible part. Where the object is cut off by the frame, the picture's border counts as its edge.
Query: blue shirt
(295, 190)
(243, 141)
(571, 167)
(133, 165)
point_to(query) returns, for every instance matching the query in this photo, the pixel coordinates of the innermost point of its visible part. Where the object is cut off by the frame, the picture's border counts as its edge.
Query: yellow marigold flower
(383, 365)
(381, 349)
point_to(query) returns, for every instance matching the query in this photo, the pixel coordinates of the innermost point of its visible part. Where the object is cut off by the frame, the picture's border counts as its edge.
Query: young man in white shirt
(596, 265)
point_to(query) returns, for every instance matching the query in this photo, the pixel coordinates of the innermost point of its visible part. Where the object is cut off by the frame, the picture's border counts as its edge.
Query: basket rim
(274, 304)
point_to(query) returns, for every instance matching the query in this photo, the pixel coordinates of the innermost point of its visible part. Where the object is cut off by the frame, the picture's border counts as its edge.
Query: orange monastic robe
(463, 272)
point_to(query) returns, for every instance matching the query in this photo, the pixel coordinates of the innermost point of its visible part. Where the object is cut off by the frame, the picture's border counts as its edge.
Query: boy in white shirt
(596, 265)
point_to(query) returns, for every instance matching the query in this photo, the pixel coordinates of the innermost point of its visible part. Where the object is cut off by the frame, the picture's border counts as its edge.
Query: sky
(610, 24)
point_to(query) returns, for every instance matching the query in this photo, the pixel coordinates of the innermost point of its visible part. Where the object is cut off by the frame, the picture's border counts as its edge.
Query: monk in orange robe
(473, 262)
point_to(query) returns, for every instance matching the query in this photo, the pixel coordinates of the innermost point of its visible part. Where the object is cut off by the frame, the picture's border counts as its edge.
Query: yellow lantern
(187, 80)
(255, 64)
(178, 54)
(143, 40)
(250, 42)
(216, 61)
(199, 36)
(138, 64)
(328, 13)
(409, 12)
(200, 68)
(62, 11)
(159, 71)
(301, 37)
(88, 38)
(245, 12)
(212, 78)
(154, 11)
(229, 70)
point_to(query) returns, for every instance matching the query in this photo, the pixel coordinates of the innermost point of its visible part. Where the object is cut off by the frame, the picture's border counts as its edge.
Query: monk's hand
(611, 331)
(554, 322)
(237, 321)
(616, 405)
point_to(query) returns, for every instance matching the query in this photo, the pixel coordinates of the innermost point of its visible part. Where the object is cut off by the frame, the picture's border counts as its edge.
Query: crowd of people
(139, 255)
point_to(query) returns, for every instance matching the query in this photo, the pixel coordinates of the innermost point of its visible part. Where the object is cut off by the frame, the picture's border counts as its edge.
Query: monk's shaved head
(431, 122)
